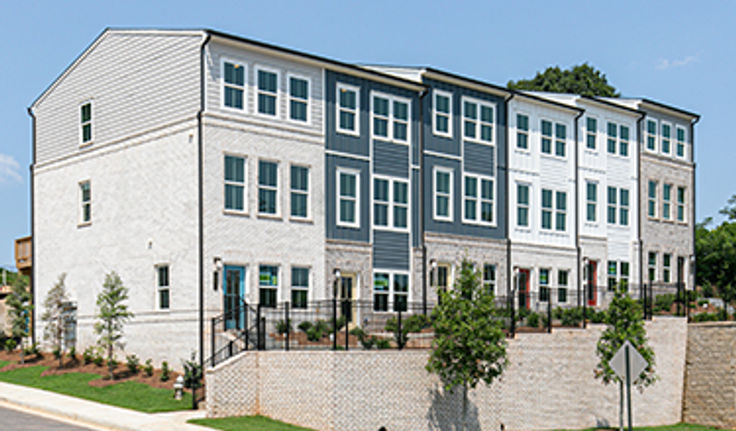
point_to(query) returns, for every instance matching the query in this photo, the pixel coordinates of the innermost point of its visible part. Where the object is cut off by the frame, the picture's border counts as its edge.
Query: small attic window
(85, 116)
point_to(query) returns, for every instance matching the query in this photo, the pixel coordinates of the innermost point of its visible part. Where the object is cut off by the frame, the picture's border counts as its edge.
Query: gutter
(506, 198)
(578, 249)
(692, 158)
(32, 284)
(422, 243)
(640, 146)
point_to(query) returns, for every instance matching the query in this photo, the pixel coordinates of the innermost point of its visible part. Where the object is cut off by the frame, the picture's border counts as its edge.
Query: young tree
(54, 315)
(469, 345)
(583, 79)
(113, 314)
(625, 322)
(19, 313)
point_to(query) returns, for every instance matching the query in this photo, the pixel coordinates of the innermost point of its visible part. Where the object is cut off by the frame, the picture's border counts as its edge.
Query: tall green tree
(715, 250)
(112, 315)
(582, 79)
(19, 313)
(469, 345)
(730, 209)
(53, 315)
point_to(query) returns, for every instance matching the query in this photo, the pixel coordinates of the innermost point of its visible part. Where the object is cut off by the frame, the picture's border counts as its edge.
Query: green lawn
(247, 423)
(676, 427)
(130, 395)
(3, 363)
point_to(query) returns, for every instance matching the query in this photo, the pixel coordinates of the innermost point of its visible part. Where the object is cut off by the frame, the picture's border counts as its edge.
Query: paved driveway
(13, 420)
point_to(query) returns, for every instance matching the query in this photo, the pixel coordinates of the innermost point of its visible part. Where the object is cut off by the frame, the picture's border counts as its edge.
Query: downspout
(32, 284)
(200, 198)
(423, 246)
(578, 249)
(506, 199)
(692, 158)
(639, 148)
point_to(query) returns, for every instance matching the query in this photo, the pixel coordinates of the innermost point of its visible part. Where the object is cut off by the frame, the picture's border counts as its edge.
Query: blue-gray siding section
(390, 250)
(479, 158)
(390, 159)
(333, 230)
(415, 204)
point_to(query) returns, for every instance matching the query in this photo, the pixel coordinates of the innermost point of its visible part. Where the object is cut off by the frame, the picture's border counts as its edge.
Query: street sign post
(628, 363)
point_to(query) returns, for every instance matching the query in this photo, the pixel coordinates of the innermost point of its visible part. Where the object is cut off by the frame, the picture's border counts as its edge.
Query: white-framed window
(235, 168)
(544, 284)
(667, 201)
(560, 138)
(300, 191)
(522, 131)
(489, 277)
(390, 117)
(442, 199)
(554, 202)
(443, 276)
(612, 275)
(612, 202)
(652, 266)
(348, 108)
(478, 195)
(547, 205)
(268, 285)
(85, 123)
(652, 199)
(390, 203)
(546, 127)
(268, 187)
(478, 120)
(651, 135)
(612, 129)
(623, 207)
(348, 197)
(591, 201)
(560, 211)
(623, 141)
(299, 286)
(666, 138)
(623, 274)
(233, 84)
(522, 205)
(85, 199)
(299, 87)
(442, 119)
(267, 91)
(390, 290)
(681, 204)
(163, 292)
(680, 141)
(591, 133)
(563, 276)
(666, 267)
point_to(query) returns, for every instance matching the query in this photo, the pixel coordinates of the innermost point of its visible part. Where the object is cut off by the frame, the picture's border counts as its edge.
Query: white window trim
(478, 122)
(478, 200)
(338, 195)
(257, 91)
(391, 292)
(308, 288)
(391, 119)
(160, 288)
(683, 204)
(308, 192)
(662, 138)
(495, 276)
(621, 140)
(553, 139)
(667, 268)
(594, 133)
(242, 64)
(391, 203)
(556, 211)
(614, 205)
(665, 201)
(528, 205)
(80, 125)
(594, 202)
(450, 208)
(552, 210)
(683, 142)
(289, 98)
(279, 280)
(82, 203)
(626, 207)
(277, 188)
(655, 136)
(244, 184)
(355, 89)
(527, 132)
(561, 286)
(447, 94)
(655, 199)
(650, 266)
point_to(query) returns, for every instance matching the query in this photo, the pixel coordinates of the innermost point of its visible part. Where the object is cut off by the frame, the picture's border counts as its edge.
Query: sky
(682, 53)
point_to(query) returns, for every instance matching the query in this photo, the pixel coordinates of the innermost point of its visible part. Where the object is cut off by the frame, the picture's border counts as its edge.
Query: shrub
(88, 356)
(282, 326)
(382, 343)
(304, 326)
(165, 371)
(663, 303)
(599, 316)
(320, 329)
(702, 302)
(365, 340)
(112, 363)
(192, 373)
(148, 367)
(532, 320)
(10, 344)
(57, 353)
(341, 321)
(132, 363)
(73, 353)
(413, 323)
(97, 358)
(32, 350)
(570, 316)
(706, 317)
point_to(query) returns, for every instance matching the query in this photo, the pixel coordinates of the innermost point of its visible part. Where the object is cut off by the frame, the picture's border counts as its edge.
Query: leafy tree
(625, 322)
(730, 209)
(113, 314)
(583, 79)
(54, 315)
(19, 313)
(469, 345)
(715, 250)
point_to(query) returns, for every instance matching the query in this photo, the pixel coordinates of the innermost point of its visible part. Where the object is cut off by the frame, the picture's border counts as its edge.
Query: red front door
(592, 283)
(523, 288)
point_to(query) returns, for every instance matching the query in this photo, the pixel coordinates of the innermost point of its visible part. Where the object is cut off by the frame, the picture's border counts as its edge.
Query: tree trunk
(465, 407)
(109, 359)
(22, 353)
(621, 405)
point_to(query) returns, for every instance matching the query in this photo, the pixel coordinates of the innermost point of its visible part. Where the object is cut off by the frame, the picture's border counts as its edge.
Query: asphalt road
(13, 420)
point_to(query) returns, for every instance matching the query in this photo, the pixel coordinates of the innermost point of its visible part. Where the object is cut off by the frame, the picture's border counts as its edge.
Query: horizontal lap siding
(390, 159)
(390, 250)
(479, 158)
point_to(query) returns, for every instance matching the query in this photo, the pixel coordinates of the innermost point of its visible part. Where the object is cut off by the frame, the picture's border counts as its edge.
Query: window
(162, 284)
(268, 187)
(234, 183)
(652, 199)
(561, 211)
(546, 137)
(233, 84)
(522, 205)
(612, 138)
(623, 142)
(666, 201)
(522, 131)
(612, 205)
(623, 209)
(623, 279)
(591, 197)
(443, 277)
(387, 285)
(267, 92)
(298, 99)
(560, 135)
(546, 209)
(651, 135)
(348, 213)
(562, 281)
(390, 203)
(477, 120)
(618, 275)
(299, 191)
(442, 113)
(347, 109)
(85, 123)
(85, 197)
(443, 194)
(268, 285)
(681, 204)
(612, 275)
(680, 142)
(299, 287)
(666, 267)
(652, 265)
(591, 130)
(666, 137)
(478, 199)
(390, 118)
(489, 278)
(544, 285)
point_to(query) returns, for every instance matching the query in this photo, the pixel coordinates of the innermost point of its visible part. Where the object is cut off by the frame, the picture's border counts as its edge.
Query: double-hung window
(268, 285)
(348, 106)
(390, 118)
(652, 265)
(623, 207)
(299, 191)
(478, 199)
(591, 132)
(233, 84)
(667, 201)
(652, 199)
(623, 276)
(560, 137)
(522, 205)
(443, 186)
(298, 99)
(612, 199)
(85, 197)
(680, 141)
(680, 203)
(560, 211)
(591, 198)
(546, 137)
(562, 282)
(390, 287)
(390, 203)
(234, 183)
(162, 287)
(85, 123)
(666, 267)
(666, 138)
(478, 120)
(299, 286)
(348, 195)
(268, 187)
(612, 275)
(546, 209)
(489, 278)
(267, 91)
(544, 284)
(651, 135)
(612, 137)
(522, 131)
(623, 141)
(442, 125)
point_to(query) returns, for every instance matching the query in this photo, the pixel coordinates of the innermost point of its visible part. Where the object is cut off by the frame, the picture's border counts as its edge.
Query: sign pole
(628, 384)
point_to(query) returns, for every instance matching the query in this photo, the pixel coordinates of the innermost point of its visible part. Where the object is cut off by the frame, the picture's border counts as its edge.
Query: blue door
(234, 291)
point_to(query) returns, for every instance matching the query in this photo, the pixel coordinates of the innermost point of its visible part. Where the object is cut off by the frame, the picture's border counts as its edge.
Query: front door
(523, 286)
(234, 291)
(347, 295)
(591, 283)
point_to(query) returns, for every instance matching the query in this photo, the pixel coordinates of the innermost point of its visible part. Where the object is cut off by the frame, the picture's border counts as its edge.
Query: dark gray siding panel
(357, 145)
(333, 230)
(479, 158)
(390, 250)
(415, 203)
(390, 159)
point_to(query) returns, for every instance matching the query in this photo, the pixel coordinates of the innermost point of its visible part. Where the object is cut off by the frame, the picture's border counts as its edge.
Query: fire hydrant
(178, 387)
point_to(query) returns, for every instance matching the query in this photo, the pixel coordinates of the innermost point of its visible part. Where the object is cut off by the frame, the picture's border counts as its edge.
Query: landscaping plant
(192, 373)
(165, 371)
(148, 367)
(19, 313)
(132, 363)
(10, 344)
(112, 315)
(53, 317)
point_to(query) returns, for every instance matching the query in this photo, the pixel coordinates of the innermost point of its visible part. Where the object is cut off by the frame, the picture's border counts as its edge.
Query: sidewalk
(99, 416)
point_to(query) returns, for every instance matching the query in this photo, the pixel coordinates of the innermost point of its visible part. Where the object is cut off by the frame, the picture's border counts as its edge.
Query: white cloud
(664, 63)
(9, 169)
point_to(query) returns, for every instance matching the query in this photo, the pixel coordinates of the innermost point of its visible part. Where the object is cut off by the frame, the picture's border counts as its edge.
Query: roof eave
(462, 81)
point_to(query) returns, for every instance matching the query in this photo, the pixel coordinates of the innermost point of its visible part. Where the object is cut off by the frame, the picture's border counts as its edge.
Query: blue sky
(678, 52)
